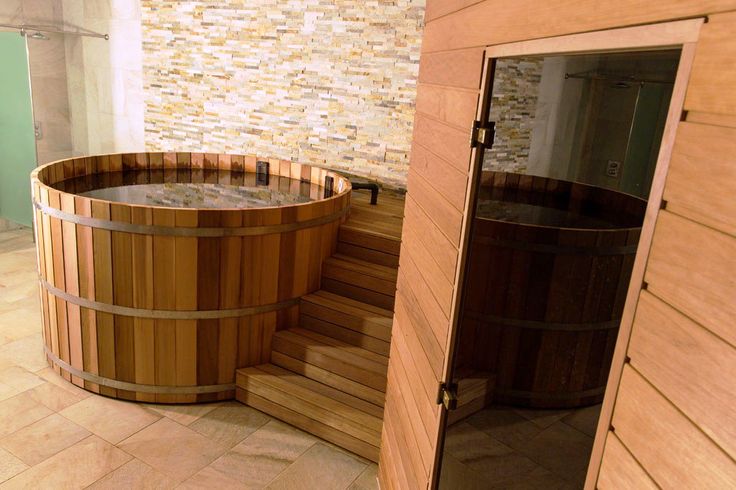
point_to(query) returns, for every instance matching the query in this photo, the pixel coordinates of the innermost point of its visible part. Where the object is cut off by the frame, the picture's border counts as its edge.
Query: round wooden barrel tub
(161, 302)
(550, 263)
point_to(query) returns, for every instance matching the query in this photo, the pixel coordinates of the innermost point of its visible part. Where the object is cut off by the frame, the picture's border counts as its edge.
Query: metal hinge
(482, 134)
(447, 395)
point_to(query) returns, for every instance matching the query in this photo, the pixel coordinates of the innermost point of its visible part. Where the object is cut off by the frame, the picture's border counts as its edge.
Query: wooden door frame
(682, 35)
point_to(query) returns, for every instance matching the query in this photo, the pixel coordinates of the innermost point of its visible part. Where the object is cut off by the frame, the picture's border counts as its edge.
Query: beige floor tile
(264, 454)
(134, 475)
(584, 419)
(467, 443)
(505, 426)
(230, 424)
(184, 414)
(52, 377)
(19, 411)
(320, 467)
(54, 397)
(41, 440)
(173, 449)
(209, 478)
(455, 475)
(368, 480)
(542, 418)
(26, 352)
(113, 420)
(75, 467)
(10, 465)
(561, 449)
(20, 379)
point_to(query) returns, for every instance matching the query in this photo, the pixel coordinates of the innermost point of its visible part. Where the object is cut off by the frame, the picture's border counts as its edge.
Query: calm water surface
(193, 189)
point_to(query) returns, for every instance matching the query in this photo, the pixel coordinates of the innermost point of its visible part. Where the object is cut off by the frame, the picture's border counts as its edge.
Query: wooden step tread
(347, 320)
(349, 305)
(315, 408)
(360, 266)
(348, 361)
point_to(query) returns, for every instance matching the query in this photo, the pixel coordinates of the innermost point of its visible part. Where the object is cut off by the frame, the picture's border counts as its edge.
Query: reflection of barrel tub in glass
(550, 263)
(161, 273)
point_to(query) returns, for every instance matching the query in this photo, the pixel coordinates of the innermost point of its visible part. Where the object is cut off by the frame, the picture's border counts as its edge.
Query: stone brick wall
(317, 81)
(513, 107)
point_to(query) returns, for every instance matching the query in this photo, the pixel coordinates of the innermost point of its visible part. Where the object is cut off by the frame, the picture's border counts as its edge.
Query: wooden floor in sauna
(48, 426)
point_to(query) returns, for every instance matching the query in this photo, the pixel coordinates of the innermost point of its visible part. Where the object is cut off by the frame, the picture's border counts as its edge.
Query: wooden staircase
(327, 375)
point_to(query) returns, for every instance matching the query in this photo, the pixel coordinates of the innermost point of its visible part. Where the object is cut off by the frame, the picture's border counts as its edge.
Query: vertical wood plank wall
(674, 413)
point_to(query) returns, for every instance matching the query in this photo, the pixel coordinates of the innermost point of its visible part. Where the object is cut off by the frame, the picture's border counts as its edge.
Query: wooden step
(328, 413)
(358, 279)
(341, 365)
(378, 248)
(474, 392)
(348, 320)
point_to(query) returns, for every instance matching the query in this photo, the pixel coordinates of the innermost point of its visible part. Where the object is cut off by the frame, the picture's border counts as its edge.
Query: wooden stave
(589, 388)
(86, 357)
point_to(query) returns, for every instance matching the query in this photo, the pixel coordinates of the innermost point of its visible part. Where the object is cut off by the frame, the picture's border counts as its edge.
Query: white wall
(105, 77)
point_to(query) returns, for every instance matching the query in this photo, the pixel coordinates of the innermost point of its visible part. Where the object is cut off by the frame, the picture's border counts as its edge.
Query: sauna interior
(411, 244)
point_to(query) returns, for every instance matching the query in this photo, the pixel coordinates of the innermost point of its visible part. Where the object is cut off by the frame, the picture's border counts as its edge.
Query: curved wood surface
(543, 304)
(162, 304)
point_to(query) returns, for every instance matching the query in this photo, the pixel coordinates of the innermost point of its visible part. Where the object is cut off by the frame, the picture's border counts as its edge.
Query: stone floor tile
(18, 378)
(41, 440)
(173, 449)
(75, 467)
(455, 475)
(52, 377)
(368, 480)
(184, 414)
(19, 411)
(585, 419)
(561, 449)
(210, 478)
(26, 352)
(113, 420)
(10, 465)
(54, 397)
(264, 454)
(542, 418)
(467, 443)
(505, 425)
(320, 467)
(230, 424)
(134, 475)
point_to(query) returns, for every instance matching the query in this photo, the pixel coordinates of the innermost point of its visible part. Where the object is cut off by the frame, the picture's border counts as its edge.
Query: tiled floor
(508, 448)
(55, 435)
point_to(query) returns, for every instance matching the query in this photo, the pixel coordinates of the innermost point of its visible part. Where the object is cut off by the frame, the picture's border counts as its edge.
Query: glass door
(557, 211)
(17, 142)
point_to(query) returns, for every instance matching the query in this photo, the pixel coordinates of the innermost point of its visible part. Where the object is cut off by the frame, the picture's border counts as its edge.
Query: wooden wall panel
(668, 445)
(714, 71)
(450, 105)
(691, 267)
(459, 69)
(702, 172)
(690, 366)
(498, 21)
(438, 8)
(620, 470)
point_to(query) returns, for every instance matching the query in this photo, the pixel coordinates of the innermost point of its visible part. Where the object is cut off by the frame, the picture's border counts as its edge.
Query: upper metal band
(140, 229)
(165, 314)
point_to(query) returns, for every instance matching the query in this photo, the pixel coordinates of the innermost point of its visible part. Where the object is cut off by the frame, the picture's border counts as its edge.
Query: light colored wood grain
(701, 182)
(668, 446)
(104, 292)
(674, 115)
(450, 105)
(619, 469)
(71, 274)
(485, 24)
(689, 365)
(460, 69)
(713, 75)
(691, 267)
(144, 333)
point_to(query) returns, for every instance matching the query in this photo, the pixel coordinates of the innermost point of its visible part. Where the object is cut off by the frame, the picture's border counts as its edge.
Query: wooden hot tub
(550, 263)
(160, 300)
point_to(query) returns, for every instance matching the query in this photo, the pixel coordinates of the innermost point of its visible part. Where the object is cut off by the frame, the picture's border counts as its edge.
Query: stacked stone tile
(513, 107)
(316, 81)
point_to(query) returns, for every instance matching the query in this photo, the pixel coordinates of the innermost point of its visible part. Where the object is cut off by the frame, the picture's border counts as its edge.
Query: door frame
(682, 34)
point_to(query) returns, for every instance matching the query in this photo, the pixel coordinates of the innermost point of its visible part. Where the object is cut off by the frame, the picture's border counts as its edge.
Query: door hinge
(447, 395)
(483, 134)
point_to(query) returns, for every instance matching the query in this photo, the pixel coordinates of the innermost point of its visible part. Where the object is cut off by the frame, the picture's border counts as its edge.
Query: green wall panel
(17, 140)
